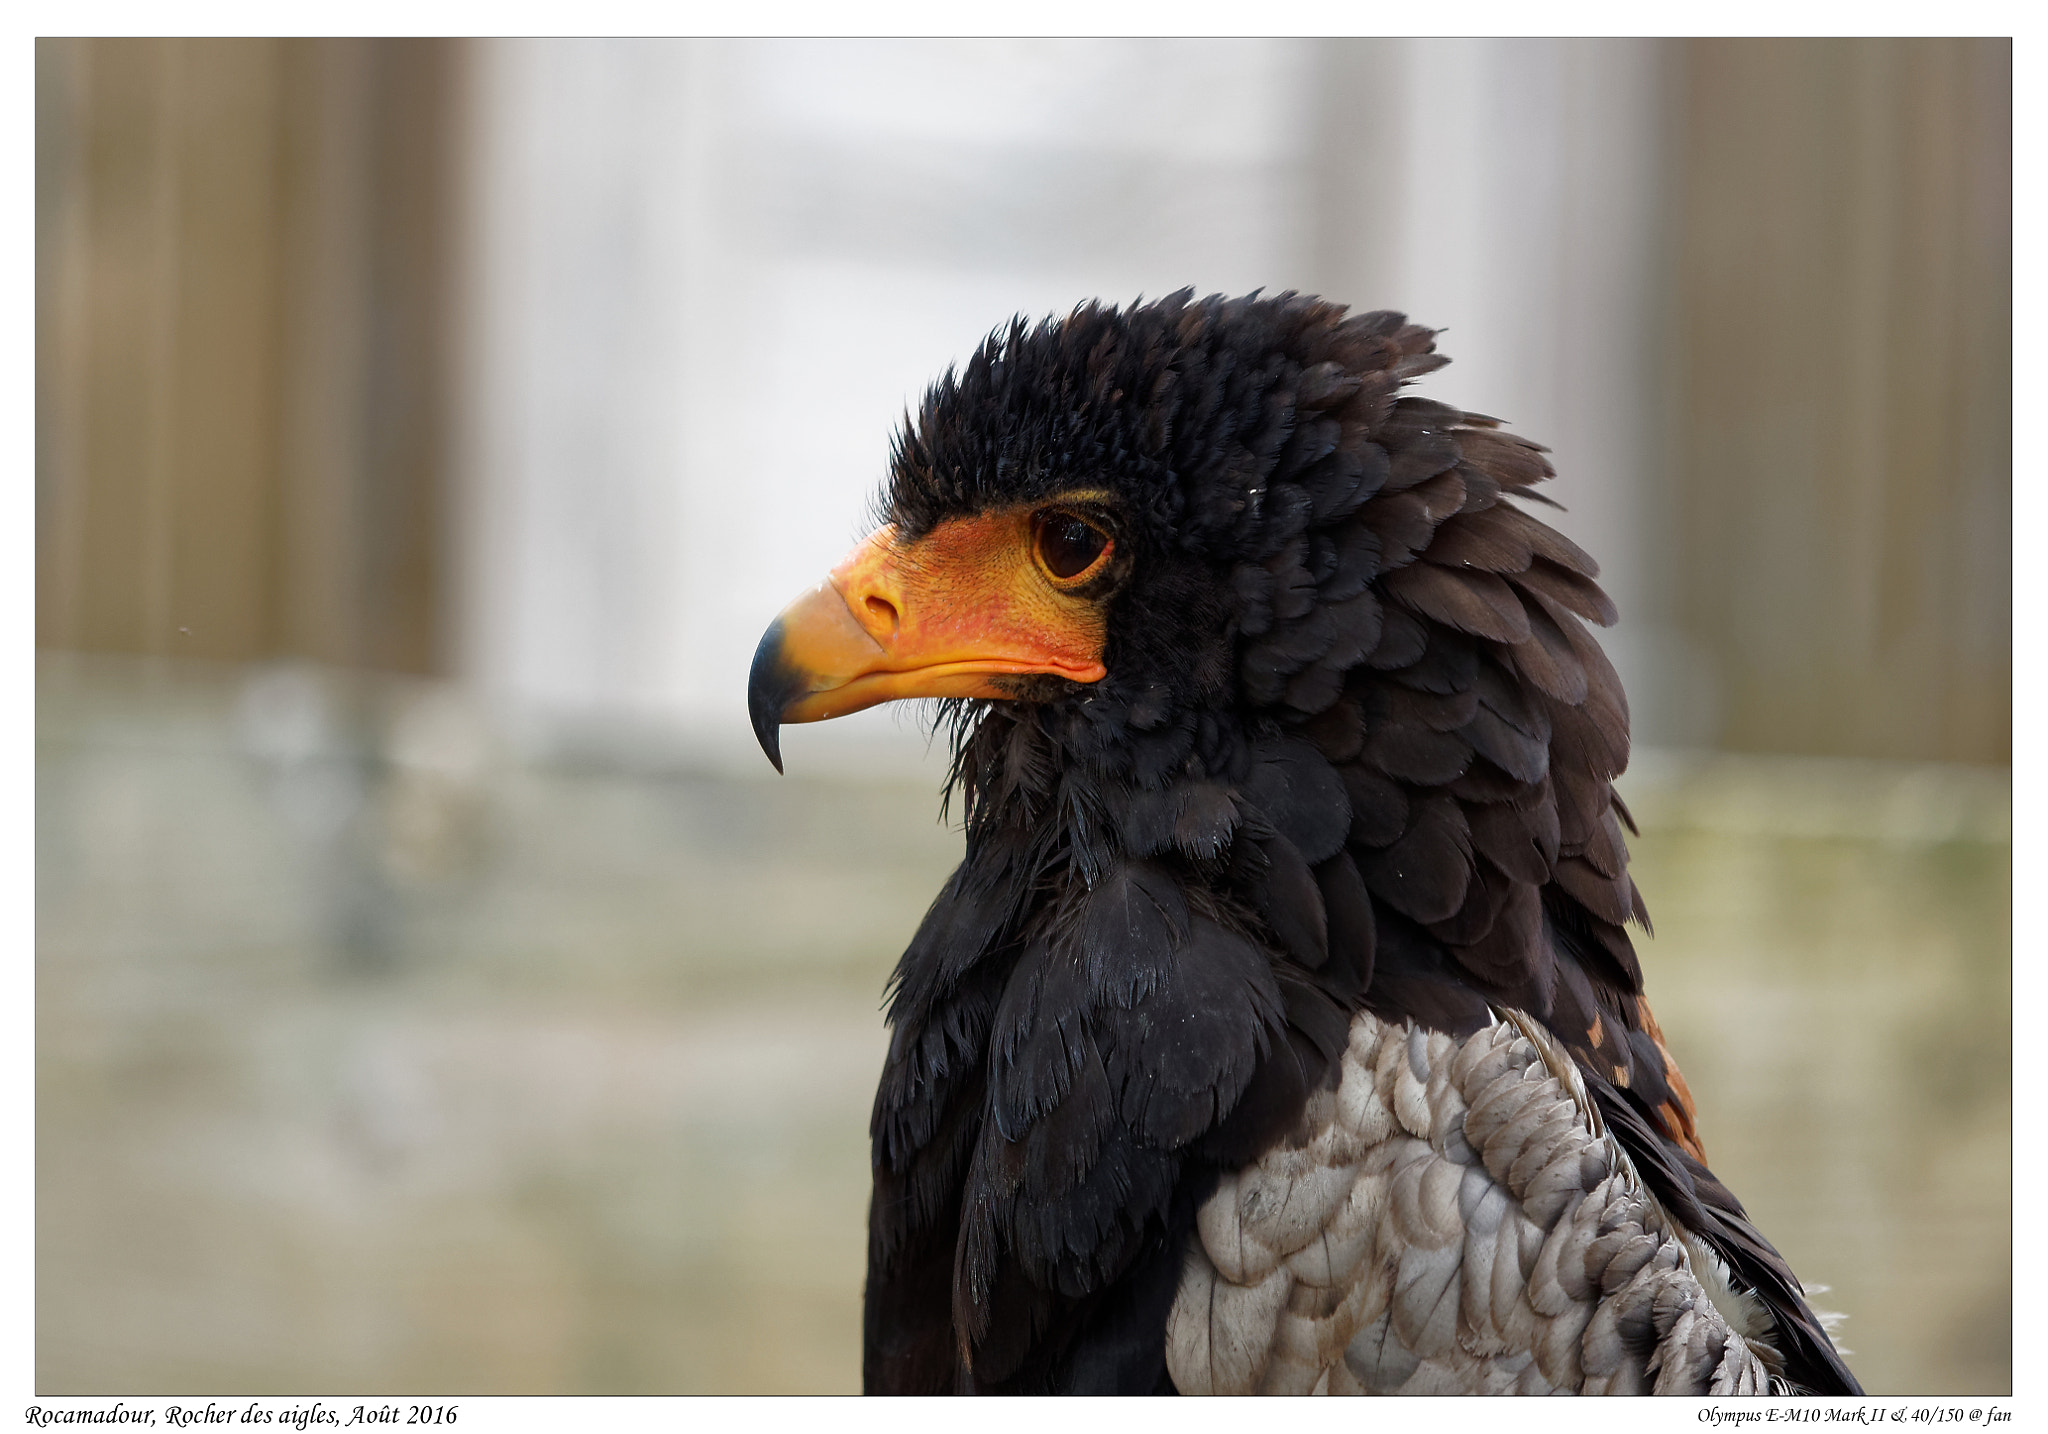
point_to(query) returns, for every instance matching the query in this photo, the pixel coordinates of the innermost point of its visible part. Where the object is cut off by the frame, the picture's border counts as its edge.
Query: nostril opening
(882, 615)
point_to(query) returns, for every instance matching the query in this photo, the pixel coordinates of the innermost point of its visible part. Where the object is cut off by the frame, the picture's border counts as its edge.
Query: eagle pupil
(1068, 546)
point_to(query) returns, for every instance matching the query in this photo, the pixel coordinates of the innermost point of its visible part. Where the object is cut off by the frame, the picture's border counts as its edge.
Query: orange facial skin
(952, 614)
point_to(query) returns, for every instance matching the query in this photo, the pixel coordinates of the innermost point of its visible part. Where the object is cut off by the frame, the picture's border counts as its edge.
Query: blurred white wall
(707, 278)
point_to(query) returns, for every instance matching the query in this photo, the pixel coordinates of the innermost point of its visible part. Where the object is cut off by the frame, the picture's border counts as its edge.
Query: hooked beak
(960, 612)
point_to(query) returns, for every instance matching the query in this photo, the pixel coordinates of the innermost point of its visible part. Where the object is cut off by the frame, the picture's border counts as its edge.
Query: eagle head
(1140, 522)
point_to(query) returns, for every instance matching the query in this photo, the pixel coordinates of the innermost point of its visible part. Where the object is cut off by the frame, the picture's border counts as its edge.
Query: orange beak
(962, 612)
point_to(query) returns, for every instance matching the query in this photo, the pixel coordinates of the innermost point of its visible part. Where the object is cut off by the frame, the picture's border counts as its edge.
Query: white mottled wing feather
(1452, 1219)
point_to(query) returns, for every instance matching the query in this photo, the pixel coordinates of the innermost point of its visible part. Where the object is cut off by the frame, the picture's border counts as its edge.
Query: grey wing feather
(1453, 1218)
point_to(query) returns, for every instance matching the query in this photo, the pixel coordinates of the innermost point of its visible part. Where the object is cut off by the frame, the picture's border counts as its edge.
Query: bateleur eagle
(1280, 1029)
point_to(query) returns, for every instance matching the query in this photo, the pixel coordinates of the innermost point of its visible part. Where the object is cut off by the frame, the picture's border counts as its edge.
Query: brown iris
(1068, 546)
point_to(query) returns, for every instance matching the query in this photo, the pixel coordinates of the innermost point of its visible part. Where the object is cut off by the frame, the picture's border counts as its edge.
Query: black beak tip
(771, 686)
(771, 743)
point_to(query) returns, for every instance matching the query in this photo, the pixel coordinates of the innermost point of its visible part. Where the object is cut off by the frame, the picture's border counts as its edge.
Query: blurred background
(435, 990)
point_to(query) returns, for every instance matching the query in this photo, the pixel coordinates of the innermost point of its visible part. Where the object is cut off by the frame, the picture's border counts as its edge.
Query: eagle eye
(1068, 546)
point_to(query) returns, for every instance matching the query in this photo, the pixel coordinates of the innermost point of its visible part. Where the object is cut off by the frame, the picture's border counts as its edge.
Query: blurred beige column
(1842, 412)
(240, 362)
